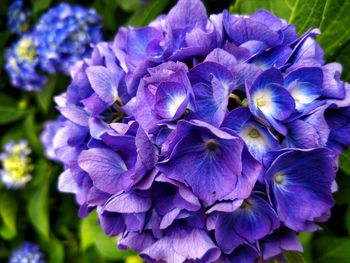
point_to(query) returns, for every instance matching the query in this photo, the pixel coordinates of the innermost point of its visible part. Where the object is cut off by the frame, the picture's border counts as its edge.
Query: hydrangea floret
(28, 253)
(16, 165)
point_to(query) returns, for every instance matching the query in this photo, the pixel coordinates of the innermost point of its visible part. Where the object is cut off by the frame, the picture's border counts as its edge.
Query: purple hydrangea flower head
(63, 35)
(16, 165)
(18, 17)
(23, 65)
(203, 138)
(27, 252)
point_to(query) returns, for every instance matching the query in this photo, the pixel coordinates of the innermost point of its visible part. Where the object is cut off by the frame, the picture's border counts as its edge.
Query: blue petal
(275, 57)
(305, 85)
(301, 135)
(212, 84)
(269, 100)
(253, 220)
(202, 149)
(310, 173)
(258, 139)
(171, 100)
(139, 39)
(237, 118)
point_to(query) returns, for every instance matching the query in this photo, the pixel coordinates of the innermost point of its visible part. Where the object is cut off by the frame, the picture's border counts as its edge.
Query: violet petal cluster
(61, 38)
(204, 139)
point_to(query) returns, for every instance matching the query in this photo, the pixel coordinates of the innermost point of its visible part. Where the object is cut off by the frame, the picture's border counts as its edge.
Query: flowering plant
(188, 137)
(209, 139)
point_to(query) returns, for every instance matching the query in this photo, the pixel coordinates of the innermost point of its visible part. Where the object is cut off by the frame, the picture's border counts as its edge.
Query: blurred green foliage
(41, 214)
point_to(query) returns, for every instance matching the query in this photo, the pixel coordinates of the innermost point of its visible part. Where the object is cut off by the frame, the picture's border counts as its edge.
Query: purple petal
(333, 87)
(103, 83)
(187, 14)
(104, 166)
(242, 29)
(128, 203)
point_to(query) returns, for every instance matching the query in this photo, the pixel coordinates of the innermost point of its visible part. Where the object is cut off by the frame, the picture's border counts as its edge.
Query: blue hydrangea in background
(27, 253)
(23, 65)
(16, 164)
(62, 36)
(18, 17)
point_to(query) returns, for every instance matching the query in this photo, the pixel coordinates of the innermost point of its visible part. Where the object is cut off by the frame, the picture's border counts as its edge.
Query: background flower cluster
(40, 209)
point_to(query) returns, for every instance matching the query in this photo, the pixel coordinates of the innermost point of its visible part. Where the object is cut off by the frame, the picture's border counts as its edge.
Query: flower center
(211, 145)
(279, 178)
(17, 167)
(246, 205)
(254, 133)
(261, 101)
(26, 50)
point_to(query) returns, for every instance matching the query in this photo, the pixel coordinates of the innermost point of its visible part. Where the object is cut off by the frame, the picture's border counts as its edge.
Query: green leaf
(87, 233)
(9, 112)
(334, 26)
(332, 249)
(44, 97)
(107, 9)
(40, 5)
(281, 8)
(129, 5)
(294, 257)
(92, 234)
(342, 56)
(307, 14)
(56, 251)
(8, 213)
(4, 36)
(345, 161)
(14, 133)
(38, 209)
(347, 220)
(31, 133)
(146, 14)
(305, 239)
(342, 196)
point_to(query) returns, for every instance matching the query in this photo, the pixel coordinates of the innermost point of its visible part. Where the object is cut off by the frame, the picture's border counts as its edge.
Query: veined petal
(309, 173)
(305, 85)
(104, 166)
(103, 83)
(258, 139)
(199, 148)
(253, 220)
(171, 100)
